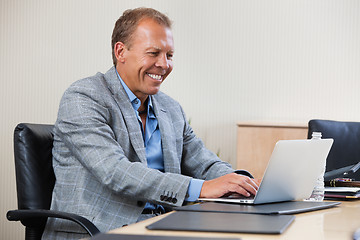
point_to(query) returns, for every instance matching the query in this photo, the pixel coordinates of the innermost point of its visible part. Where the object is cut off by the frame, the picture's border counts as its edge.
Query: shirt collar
(135, 102)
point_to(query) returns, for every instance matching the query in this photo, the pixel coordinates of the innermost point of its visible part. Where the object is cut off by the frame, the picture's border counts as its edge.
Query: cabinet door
(255, 143)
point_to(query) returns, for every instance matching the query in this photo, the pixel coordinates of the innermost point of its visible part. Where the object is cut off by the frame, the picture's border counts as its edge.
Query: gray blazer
(99, 157)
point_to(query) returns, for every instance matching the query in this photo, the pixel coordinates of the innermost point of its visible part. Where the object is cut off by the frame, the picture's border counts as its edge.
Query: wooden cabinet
(256, 141)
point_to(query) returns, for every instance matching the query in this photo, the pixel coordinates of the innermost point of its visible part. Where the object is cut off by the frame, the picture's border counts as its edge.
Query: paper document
(342, 189)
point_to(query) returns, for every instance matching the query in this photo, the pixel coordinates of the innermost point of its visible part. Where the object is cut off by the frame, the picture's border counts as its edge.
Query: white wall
(263, 60)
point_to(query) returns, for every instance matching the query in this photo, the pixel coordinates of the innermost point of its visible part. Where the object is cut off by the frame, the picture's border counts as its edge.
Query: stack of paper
(342, 192)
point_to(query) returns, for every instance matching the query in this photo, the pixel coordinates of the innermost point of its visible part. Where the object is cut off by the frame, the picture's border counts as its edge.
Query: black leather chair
(346, 147)
(35, 181)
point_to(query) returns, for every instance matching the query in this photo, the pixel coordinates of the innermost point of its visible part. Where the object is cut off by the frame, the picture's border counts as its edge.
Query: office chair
(35, 181)
(346, 148)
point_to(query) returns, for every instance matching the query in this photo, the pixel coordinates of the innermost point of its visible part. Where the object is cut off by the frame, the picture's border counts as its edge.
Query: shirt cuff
(194, 190)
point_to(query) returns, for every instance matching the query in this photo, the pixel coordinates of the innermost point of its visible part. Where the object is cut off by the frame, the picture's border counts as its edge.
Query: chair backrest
(346, 148)
(35, 177)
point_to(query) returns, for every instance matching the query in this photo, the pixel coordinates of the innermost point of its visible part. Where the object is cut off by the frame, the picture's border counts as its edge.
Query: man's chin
(153, 91)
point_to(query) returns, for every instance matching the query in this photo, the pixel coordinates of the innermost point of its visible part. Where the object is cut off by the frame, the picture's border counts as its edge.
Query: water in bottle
(319, 189)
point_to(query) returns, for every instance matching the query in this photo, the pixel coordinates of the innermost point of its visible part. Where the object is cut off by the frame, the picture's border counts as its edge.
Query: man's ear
(119, 50)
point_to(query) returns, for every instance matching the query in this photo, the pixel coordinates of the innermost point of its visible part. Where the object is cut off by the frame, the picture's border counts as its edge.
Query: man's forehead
(153, 35)
(147, 24)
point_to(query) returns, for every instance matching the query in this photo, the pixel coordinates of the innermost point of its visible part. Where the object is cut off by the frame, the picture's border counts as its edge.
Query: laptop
(291, 172)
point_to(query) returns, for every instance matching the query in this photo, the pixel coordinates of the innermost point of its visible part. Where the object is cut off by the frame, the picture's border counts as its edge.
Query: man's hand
(228, 184)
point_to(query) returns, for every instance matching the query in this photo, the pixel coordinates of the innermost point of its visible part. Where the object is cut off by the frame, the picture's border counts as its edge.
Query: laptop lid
(291, 172)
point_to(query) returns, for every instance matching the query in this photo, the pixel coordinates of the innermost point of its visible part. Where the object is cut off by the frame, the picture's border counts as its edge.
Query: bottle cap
(316, 135)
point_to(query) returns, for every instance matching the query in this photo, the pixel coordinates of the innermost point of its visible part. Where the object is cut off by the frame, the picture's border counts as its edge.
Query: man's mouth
(155, 76)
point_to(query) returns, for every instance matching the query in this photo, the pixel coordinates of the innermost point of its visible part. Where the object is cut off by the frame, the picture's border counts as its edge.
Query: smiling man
(123, 150)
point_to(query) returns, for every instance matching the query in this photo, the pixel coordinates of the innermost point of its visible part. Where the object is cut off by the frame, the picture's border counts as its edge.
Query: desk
(334, 223)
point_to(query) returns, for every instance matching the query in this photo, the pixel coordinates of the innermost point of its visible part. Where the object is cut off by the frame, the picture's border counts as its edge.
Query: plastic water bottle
(319, 189)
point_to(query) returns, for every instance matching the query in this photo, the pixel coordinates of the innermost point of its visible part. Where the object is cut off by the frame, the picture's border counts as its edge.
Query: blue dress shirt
(152, 143)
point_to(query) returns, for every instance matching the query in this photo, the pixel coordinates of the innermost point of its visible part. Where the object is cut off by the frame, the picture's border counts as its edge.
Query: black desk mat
(223, 222)
(292, 207)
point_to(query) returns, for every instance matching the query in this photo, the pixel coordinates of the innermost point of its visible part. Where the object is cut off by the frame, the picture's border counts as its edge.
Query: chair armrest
(17, 215)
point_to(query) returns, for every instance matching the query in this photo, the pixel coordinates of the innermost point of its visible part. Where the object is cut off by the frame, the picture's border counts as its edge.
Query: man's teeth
(155, 76)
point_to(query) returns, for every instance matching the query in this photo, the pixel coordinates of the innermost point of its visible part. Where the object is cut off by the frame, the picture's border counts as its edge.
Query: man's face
(146, 64)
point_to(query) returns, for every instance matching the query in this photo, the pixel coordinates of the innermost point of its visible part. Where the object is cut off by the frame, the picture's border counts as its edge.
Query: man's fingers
(230, 183)
(253, 183)
(246, 183)
(248, 186)
(239, 190)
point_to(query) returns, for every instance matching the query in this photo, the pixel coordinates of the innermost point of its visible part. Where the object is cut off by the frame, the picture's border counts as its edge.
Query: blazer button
(140, 203)
(174, 200)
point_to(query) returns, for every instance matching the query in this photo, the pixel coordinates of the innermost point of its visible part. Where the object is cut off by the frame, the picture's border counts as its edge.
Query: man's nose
(162, 62)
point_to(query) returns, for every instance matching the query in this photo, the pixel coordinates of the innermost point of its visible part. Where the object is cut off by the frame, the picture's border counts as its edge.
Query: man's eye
(170, 56)
(153, 53)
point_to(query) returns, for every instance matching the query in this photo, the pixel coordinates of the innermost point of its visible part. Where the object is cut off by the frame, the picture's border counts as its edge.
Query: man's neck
(144, 105)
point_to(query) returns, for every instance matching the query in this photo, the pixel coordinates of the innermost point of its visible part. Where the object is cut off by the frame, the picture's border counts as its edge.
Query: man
(123, 150)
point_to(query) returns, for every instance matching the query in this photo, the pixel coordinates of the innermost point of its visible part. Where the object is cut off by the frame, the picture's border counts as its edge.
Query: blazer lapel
(168, 139)
(131, 121)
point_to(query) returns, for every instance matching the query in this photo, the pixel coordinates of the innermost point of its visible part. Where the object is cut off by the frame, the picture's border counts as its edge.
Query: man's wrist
(194, 190)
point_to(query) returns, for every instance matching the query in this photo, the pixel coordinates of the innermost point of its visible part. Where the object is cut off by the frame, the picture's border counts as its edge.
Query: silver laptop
(291, 172)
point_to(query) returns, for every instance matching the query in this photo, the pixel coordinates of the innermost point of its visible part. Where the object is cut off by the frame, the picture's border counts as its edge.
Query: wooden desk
(334, 223)
(256, 141)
